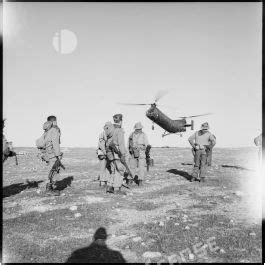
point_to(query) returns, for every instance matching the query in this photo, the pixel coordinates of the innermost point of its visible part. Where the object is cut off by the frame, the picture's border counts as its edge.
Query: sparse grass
(52, 235)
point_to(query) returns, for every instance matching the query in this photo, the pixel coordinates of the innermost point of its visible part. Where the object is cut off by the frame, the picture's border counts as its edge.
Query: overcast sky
(207, 54)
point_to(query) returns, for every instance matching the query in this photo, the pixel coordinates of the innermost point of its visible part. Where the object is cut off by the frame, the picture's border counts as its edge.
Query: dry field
(169, 219)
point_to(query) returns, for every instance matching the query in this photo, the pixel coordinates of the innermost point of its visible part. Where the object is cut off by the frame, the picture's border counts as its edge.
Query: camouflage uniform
(101, 152)
(258, 142)
(137, 146)
(51, 150)
(201, 141)
(117, 170)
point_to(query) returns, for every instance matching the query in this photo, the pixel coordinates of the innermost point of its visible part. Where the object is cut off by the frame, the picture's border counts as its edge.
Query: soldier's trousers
(200, 166)
(137, 166)
(103, 172)
(117, 170)
(209, 157)
(51, 176)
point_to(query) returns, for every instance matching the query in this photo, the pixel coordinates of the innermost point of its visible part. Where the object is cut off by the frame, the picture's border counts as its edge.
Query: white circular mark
(64, 41)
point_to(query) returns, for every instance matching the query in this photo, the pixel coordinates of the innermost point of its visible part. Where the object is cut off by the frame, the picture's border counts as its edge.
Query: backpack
(40, 142)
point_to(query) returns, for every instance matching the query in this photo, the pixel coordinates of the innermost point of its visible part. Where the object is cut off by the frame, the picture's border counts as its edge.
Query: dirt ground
(167, 218)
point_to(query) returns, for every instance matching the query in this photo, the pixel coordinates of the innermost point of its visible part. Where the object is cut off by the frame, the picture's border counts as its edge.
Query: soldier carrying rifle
(139, 150)
(49, 145)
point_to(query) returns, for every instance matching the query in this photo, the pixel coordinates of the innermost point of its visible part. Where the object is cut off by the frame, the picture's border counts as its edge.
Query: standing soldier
(258, 142)
(5, 143)
(201, 141)
(116, 152)
(49, 144)
(101, 152)
(137, 145)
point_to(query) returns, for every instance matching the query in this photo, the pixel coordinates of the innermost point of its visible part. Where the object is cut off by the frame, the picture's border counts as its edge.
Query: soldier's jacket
(206, 139)
(118, 140)
(138, 140)
(52, 142)
(258, 140)
(101, 150)
(5, 144)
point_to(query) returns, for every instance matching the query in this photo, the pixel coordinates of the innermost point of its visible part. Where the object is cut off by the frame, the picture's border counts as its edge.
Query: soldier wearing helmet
(49, 145)
(202, 142)
(102, 156)
(137, 145)
(116, 153)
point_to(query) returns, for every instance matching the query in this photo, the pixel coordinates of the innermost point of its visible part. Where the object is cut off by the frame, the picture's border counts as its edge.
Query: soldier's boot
(50, 191)
(136, 180)
(120, 192)
(109, 189)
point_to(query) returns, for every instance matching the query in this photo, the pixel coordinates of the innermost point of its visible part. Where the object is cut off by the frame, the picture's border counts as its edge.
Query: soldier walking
(116, 152)
(138, 145)
(49, 144)
(201, 142)
(101, 152)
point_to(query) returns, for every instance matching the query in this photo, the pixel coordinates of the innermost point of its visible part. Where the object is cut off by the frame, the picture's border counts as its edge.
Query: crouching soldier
(101, 152)
(49, 145)
(201, 142)
(138, 145)
(115, 150)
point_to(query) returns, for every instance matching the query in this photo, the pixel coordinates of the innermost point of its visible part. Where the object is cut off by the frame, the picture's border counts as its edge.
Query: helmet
(205, 126)
(117, 118)
(138, 126)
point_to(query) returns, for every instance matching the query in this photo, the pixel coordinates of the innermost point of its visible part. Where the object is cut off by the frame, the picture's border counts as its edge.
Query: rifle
(147, 157)
(56, 168)
(115, 150)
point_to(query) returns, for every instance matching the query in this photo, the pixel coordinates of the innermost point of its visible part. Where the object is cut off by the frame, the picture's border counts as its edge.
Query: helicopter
(169, 125)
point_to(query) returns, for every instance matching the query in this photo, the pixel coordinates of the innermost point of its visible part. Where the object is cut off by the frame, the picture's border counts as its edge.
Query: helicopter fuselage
(169, 125)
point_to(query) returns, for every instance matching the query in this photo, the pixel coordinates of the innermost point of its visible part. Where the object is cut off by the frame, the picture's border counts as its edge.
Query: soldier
(137, 145)
(258, 142)
(101, 152)
(201, 142)
(5, 143)
(116, 153)
(8, 150)
(49, 144)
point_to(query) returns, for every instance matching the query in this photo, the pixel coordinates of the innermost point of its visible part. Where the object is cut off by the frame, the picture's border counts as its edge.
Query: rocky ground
(169, 219)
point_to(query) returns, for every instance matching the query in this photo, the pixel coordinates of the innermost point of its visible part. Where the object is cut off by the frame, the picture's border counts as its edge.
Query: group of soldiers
(119, 168)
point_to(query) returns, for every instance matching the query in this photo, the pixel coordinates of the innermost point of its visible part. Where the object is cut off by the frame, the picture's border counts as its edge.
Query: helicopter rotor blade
(195, 116)
(134, 104)
(160, 94)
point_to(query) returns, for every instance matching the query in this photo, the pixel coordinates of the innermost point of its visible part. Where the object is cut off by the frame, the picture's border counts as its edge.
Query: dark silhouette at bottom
(97, 251)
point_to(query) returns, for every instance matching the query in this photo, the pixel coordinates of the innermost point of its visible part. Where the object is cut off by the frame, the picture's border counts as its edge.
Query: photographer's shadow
(63, 183)
(97, 251)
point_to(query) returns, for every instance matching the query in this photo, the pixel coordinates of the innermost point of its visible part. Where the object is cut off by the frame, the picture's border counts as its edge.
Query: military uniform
(201, 141)
(137, 146)
(51, 149)
(101, 152)
(5, 144)
(258, 142)
(117, 170)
